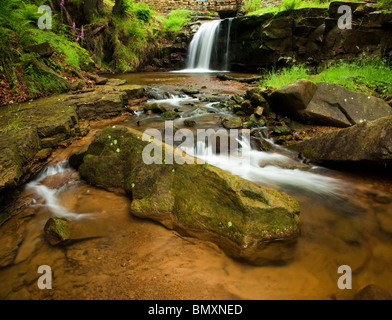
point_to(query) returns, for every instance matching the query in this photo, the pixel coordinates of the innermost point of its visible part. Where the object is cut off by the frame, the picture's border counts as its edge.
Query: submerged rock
(368, 142)
(170, 115)
(373, 292)
(57, 231)
(251, 222)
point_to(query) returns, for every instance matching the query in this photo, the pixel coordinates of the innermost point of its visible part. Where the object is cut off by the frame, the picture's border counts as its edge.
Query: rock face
(57, 231)
(367, 142)
(245, 219)
(326, 104)
(306, 35)
(30, 131)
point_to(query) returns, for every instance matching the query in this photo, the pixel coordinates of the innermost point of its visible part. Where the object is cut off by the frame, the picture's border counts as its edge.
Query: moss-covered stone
(155, 108)
(199, 200)
(57, 231)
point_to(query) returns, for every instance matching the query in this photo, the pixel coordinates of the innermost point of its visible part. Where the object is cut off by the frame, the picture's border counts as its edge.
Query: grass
(252, 7)
(364, 74)
(384, 4)
(175, 21)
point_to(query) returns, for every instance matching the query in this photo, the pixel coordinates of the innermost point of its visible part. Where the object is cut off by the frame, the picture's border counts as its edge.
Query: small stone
(57, 231)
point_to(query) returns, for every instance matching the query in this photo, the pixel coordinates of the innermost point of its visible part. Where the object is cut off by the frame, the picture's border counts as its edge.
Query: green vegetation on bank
(27, 74)
(364, 74)
(253, 7)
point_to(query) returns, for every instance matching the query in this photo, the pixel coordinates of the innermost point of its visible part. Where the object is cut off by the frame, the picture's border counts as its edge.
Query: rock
(77, 85)
(133, 91)
(330, 104)
(100, 81)
(259, 102)
(259, 121)
(337, 106)
(259, 111)
(190, 91)
(212, 98)
(170, 115)
(232, 123)
(281, 129)
(368, 142)
(155, 108)
(245, 219)
(237, 99)
(384, 220)
(372, 292)
(247, 107)
(44, 50)
(103, 103)
(57, 231)
(76, 159)
(189, 123)
(293, 97)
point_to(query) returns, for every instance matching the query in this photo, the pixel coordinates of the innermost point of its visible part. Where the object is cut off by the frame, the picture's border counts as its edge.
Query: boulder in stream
(57, 231)
(367, 142)
(248, 221)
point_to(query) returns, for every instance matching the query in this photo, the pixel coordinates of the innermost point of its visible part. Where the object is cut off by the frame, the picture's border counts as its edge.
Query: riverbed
(346, 219)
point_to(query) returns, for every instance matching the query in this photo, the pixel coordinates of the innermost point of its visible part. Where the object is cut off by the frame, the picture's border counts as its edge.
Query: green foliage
(252, 7)
(363, 74)
(175, 21)
(384, 4)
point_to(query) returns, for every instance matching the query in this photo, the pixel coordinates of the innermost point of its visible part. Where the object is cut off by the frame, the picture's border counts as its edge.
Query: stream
(346, 219)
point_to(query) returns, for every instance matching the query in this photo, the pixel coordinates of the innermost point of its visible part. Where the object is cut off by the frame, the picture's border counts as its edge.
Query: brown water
(123, 257)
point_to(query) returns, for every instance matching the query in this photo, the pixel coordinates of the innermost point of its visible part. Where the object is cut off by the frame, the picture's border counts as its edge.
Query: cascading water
(275, 172)
(205, 44)
(50, 195)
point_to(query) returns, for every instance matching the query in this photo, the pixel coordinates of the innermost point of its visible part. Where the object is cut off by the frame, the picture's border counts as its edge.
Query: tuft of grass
(175, 21)
(253, 7)
(364, 74)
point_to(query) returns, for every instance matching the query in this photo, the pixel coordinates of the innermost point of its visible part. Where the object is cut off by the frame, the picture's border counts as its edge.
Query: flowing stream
(345, 221)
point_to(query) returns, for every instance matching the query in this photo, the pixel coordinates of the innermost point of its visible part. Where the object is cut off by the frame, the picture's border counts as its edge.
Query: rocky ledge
(31, 131)
(250, 222)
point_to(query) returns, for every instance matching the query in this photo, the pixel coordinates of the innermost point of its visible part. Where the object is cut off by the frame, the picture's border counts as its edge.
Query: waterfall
(228, 45)
(202, 44)
(50, 195)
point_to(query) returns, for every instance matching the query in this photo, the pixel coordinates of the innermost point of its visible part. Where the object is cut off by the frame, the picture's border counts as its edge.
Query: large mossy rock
(327, 104)
(248, 221)
(368, 142)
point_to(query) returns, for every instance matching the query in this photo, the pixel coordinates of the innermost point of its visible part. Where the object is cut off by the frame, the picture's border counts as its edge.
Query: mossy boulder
(155, 108)
(190, 91)
(170, 115)
(232, 123)
(246, 220)
(367, 142)
(57, 231)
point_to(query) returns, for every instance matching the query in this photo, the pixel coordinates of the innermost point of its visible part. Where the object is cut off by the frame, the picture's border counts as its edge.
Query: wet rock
(247, 107)
(155, 108)
(57, 231)
(133, 91)
(245, 219)
(260, 103)
(189, 123)
(76, 159)
(281, 130)
(237, 99)
(372, 292)
(293, 97)
(170, 115)
(232, 123)
(259, 111)
(190, 91)
(259, 121)
(384, 220)
(368, 142)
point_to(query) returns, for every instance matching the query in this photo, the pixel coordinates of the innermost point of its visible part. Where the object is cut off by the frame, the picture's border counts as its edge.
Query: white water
(201, 46)
(50, 196)
(247, 166)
